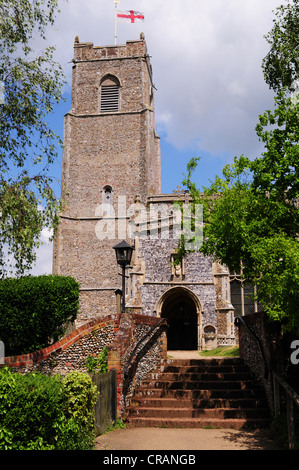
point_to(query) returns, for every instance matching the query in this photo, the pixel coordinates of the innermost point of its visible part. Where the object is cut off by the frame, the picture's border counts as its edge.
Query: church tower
(111, 158)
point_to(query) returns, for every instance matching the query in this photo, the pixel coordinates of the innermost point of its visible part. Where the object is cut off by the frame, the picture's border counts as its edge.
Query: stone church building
(111, 185)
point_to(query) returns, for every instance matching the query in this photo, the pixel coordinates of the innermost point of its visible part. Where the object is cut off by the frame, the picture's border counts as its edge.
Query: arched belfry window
(109, 94)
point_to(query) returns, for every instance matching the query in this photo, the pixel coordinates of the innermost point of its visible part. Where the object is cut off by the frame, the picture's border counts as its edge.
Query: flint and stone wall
(120, 333)
(150, 354)
(118, 149)
(71, 352)
(260, 356)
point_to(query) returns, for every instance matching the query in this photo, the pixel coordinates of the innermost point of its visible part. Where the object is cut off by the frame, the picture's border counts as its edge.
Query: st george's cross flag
(129, 16)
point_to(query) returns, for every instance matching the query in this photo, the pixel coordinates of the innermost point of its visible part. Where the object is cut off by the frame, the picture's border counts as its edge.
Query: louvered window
(109, 98)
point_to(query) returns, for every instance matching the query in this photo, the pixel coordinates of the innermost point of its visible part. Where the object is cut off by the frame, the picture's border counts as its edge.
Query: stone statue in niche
(177, 268)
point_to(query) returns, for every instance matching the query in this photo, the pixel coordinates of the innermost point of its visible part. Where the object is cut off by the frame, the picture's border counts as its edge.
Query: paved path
(184, 355)
(184, 439)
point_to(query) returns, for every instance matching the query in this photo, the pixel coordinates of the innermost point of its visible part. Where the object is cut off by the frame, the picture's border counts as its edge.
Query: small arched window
(107, 200)
(109, 94)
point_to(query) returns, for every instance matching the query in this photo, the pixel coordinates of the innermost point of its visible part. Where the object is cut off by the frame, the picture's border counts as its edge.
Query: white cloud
(44, 255)
(236, 89)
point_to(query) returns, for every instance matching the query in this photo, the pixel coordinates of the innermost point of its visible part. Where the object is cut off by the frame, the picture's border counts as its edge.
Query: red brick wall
(121, 348)
(29, 361)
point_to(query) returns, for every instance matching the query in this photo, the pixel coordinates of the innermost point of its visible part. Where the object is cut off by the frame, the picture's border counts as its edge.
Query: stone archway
(182, 309)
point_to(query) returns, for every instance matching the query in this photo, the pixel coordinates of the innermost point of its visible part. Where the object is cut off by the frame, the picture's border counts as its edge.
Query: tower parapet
(87, 51)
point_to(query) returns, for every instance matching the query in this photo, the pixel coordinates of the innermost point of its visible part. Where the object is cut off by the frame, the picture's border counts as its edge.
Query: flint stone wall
(71, 352)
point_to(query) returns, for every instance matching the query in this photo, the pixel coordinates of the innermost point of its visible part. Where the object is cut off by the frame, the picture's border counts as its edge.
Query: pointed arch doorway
(181, 308)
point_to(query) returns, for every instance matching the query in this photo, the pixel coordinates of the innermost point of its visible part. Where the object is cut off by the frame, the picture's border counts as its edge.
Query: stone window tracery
(242, 295)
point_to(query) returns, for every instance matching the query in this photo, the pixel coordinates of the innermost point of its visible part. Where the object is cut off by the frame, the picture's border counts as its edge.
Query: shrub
(29, 405)
(34, 311)
(77, 424)
(39, 412)
(98, 364)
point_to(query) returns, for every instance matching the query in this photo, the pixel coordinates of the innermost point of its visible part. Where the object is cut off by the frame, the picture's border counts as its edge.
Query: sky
(206, 58)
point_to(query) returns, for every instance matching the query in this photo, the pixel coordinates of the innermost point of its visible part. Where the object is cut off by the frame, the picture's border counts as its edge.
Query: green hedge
(34, 311)
(39, 412)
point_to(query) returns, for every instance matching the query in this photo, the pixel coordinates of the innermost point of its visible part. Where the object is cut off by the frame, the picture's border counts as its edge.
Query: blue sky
(206, 59)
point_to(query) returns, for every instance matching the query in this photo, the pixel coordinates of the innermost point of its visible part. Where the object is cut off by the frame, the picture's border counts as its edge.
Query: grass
(118, 424)
(225, 351)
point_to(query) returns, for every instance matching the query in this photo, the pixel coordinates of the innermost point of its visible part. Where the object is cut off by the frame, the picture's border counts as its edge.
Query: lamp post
(123, 252)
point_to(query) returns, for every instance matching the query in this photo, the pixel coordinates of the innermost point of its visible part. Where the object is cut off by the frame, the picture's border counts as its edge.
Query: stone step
(198, 384)
(193, 394)
(206, 413)
(199, 393)
(203, 368)
(198, 376)
(198, 403)
(222, 361)
(197, 423)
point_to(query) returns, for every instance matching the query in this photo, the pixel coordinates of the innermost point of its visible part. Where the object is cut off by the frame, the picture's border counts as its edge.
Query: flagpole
(115, 21)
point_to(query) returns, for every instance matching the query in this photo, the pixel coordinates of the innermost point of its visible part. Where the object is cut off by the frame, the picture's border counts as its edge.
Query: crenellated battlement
(86, 51)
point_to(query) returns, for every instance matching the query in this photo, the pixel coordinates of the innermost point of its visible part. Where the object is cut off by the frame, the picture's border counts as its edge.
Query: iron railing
(292, 397)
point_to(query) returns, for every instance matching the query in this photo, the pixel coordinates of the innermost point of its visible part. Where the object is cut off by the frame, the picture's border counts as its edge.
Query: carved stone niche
(177, 269)
(209, 337)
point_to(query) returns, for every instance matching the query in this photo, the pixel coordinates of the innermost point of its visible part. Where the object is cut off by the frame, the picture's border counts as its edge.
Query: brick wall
(71, 351)
(120, 333)
(151, 354)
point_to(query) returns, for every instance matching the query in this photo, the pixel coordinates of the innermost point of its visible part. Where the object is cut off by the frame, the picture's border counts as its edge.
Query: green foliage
(31, 85)
(98, 363)
(39, 412)
(117, 424)
(34, 311)
(277, 171)
(281, 65)
(278, 287)
(81, 394)
(28, 408)
(251, 214)
(242, 218)
(256, 230)
(75, 427)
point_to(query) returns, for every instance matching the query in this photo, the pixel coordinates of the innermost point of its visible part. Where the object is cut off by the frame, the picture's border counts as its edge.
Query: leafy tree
(281, 65)
(251, 213)
(252, 218)
(30, 85)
